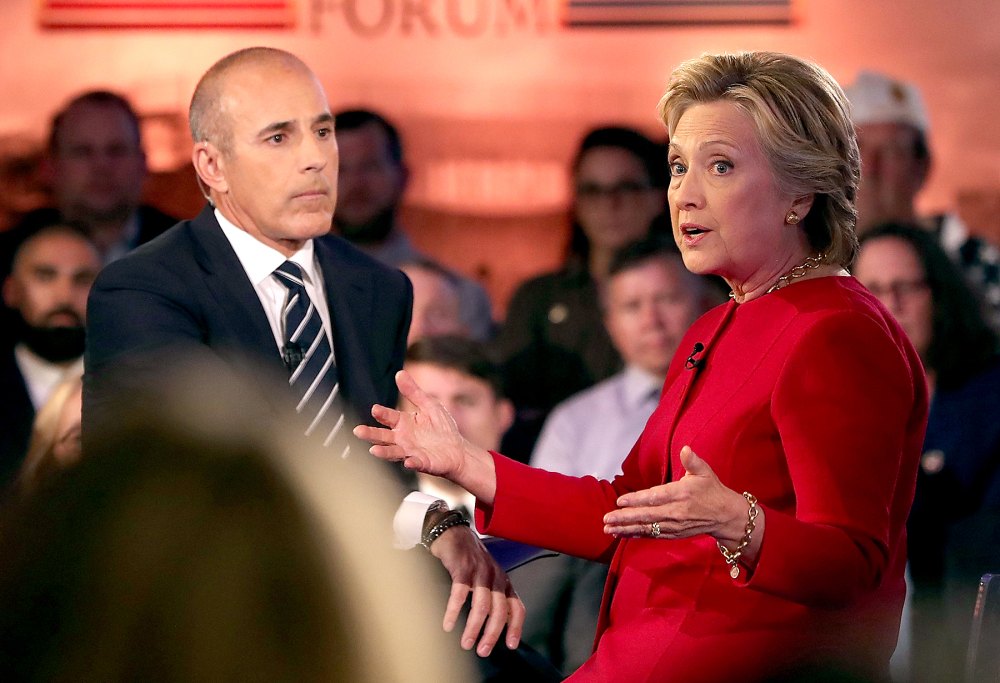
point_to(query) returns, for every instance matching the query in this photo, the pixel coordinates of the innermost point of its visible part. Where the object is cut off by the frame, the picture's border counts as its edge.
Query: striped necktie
(309, 358)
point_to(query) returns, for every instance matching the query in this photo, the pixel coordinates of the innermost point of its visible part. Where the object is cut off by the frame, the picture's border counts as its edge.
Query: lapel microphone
(292, 354)
(693, 362)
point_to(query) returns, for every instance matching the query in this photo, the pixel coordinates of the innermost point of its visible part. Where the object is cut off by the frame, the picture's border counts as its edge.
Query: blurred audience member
(954, 526)
(892, 127)
(96, 168)
(553, 342)
(459, 374)
(189, 546)
(649, 300)
(436, 304)
(21, 186)
(373, 177)
(47, 291)
(55, 436)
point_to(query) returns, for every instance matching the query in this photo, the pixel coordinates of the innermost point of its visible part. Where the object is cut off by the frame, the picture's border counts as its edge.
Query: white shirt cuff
(408, 523)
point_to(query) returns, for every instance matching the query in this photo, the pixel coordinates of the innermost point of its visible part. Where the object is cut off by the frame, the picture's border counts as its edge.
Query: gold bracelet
(732, 557)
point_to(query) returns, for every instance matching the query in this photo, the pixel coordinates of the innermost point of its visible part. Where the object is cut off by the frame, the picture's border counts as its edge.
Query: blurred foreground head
(188, 545)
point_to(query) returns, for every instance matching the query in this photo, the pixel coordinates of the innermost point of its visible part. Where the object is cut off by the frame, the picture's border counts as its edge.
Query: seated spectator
(458, 372)
(436, 301)
(370, 188)
(892, 127)
(47, 293)
(952, 529)
(188, 546)
(55, 436)
(553, 342)
(649, 300)
(96, 167)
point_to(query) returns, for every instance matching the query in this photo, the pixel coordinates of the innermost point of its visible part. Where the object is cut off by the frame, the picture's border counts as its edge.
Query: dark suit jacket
(188, 290)
(16, 416)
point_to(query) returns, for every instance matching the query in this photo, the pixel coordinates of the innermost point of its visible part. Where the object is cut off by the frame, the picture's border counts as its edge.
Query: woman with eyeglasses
(955, 510)
(553, 342)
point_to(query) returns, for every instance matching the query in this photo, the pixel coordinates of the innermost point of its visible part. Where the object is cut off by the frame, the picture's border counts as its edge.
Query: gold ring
(654, 529)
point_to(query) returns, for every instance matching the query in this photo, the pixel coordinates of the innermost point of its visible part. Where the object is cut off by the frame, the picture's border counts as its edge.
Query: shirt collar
(258, 259)
(641, 386)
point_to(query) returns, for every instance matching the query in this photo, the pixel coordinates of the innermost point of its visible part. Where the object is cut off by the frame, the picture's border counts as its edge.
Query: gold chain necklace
(811, 263)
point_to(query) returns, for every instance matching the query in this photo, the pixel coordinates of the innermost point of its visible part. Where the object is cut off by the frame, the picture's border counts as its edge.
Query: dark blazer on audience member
(16, 416)
(188, 289)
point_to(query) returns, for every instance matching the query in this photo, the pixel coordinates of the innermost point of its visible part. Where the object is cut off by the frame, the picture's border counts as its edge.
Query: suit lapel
(350, 297)
(234, 294)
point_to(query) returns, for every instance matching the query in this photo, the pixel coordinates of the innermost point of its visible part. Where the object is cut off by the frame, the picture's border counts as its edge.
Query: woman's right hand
(428, 440)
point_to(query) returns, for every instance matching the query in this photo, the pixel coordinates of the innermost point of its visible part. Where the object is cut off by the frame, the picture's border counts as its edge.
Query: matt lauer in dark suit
(257, 276)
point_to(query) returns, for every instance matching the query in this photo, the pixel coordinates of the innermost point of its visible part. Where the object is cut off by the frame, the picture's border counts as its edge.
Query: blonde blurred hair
(200, 538)
(41, 460)
(803, 124)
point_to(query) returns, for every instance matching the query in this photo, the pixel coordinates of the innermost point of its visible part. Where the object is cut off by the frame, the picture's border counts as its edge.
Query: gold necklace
(811, 263)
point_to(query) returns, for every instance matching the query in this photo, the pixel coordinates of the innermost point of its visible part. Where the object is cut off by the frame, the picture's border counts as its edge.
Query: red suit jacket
(812, 399)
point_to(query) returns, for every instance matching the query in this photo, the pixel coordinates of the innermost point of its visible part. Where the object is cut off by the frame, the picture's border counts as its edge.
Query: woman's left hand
(698, 503)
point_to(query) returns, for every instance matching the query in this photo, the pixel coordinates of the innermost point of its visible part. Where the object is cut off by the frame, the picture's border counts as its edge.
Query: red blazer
(812, 399)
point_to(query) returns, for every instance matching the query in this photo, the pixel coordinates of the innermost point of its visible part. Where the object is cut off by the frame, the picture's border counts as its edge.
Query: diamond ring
(654, 529)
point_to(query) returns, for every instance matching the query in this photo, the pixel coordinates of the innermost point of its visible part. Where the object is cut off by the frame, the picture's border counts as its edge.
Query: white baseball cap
(877, 98)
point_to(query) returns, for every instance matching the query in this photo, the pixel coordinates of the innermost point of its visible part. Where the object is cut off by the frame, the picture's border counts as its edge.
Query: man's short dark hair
(637, 253)
(101, 98)
(352, 119)
(652, 155)
(467, 356)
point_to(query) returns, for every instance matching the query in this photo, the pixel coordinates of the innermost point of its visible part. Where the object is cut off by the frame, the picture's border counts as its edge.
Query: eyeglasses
(627, 189)
(898, 289)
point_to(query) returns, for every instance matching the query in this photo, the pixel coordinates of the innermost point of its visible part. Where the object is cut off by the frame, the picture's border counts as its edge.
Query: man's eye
(277, 138)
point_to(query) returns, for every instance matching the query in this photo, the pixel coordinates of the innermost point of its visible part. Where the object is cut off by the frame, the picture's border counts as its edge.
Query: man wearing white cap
(892, 126)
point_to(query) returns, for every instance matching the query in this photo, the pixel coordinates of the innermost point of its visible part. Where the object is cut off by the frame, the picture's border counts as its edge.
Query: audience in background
(189, 546)
(892, 127)
(553, 342)
(648, 300)
(436, 302)
(96, 167)
(954, 525)
(370, 186)
(47, 293)
(459, 374)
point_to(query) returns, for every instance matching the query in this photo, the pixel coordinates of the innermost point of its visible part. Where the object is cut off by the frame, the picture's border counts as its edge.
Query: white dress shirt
(260, 261)
(591, 432)
(42, 376)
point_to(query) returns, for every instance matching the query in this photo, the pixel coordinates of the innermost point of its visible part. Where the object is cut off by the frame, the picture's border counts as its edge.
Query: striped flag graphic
(167, 14)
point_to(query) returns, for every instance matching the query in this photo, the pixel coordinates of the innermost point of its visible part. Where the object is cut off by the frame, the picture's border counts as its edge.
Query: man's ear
(11, 293)
(505, 413)
(209, 164)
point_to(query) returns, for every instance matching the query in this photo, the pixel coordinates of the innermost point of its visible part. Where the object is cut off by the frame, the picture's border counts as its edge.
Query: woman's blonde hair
(41, 460)
(803, 124)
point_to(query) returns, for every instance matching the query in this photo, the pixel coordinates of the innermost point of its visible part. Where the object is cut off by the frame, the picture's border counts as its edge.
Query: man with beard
(370, 189)
(47, 292)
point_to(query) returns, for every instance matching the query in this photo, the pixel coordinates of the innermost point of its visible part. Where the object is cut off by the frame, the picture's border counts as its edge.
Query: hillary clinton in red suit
(758, 528)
